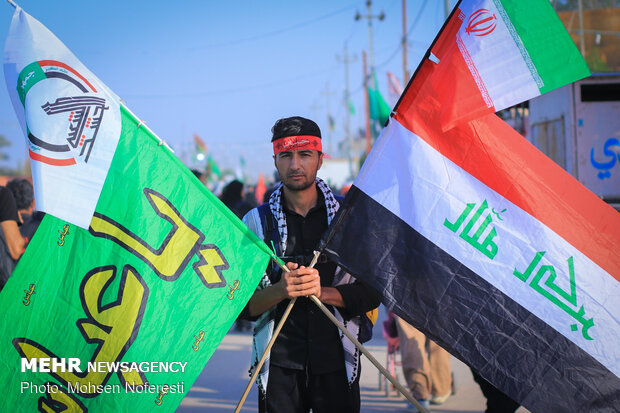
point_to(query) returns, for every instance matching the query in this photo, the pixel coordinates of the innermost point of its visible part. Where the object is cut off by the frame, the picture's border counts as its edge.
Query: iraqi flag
(474, 236)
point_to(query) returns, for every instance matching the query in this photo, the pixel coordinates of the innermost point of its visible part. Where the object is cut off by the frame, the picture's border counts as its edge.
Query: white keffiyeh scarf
(264, 327)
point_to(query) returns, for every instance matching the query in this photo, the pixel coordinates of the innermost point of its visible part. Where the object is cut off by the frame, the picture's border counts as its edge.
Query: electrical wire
(417, 18)
(279, 31)
(234, 90)
(415, 22)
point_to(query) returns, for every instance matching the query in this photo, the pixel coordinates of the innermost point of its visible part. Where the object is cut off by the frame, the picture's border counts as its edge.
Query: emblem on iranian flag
(481, 23)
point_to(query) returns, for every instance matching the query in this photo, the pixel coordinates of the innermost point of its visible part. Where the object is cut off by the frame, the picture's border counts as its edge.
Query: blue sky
(227, 70)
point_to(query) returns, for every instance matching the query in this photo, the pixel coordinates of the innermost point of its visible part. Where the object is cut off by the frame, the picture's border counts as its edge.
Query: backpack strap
(270, 234)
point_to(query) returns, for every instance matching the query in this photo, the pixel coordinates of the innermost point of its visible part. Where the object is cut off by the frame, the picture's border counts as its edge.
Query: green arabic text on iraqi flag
(144, 295)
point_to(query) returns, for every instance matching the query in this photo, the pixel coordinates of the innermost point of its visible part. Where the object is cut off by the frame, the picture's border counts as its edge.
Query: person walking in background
(232, 197)
(426, 366)
(23, 193)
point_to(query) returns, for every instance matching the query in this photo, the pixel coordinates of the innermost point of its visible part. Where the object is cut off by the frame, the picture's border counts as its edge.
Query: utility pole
(370, 16)
(347, 125)
(582, 45)
(328, 92)
(367, 103)
(370, 75)
(405, 71)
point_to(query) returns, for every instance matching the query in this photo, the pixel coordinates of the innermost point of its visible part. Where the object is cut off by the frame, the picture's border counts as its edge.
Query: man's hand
(299, 282)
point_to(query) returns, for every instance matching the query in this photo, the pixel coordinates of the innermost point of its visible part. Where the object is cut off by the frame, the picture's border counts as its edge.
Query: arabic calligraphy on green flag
(124, 315)
(145, 295)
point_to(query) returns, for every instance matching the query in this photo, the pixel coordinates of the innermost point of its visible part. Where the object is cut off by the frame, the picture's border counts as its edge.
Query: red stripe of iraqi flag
(494, 153)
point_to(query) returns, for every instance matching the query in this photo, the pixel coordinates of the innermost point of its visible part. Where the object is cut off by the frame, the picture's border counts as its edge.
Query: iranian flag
(137, 272)
(474, 236)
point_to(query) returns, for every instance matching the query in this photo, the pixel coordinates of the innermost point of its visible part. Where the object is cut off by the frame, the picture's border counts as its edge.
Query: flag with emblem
(474, 236)
(137, 272)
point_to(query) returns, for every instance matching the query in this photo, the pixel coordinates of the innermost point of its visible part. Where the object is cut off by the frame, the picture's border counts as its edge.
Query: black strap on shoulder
(270, 228)
(270, 235)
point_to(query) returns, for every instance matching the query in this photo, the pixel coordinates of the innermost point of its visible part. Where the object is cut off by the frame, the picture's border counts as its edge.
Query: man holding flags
(306, 368)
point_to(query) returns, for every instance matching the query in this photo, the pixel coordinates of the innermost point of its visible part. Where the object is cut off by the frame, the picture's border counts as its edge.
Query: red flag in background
(260, 189)
(201, 146)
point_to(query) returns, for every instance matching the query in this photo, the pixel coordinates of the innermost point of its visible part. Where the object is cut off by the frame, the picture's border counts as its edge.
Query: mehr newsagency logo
(64, 112)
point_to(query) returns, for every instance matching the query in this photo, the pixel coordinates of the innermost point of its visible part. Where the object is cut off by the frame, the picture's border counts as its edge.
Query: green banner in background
(144, 296)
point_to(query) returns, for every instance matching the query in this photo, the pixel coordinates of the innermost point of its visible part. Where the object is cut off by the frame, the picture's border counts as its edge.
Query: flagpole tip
(12, 3)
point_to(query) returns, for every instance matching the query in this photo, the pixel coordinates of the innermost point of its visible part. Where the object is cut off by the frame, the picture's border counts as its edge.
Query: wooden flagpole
(287, 311)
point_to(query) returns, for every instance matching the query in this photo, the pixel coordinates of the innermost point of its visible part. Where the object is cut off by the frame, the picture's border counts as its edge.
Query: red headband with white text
(297, 143)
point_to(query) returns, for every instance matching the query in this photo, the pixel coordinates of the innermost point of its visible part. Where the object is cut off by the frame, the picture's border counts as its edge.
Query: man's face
(298, 169)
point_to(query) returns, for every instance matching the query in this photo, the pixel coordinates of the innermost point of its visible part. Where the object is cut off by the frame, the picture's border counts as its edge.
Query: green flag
(351, 107)
(124, 315)
(212, 169)
(379, 109)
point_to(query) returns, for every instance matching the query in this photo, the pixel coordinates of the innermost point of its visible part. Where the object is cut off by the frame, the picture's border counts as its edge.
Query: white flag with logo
(70, 118)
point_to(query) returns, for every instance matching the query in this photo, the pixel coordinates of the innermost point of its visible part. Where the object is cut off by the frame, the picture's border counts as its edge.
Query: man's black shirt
(308, 338)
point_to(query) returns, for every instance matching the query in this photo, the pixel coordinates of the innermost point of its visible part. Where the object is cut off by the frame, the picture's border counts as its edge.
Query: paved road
(223, 380)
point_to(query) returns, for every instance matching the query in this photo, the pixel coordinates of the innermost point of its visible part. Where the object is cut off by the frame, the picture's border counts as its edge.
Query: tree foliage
(4, 142)
(567, 5)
